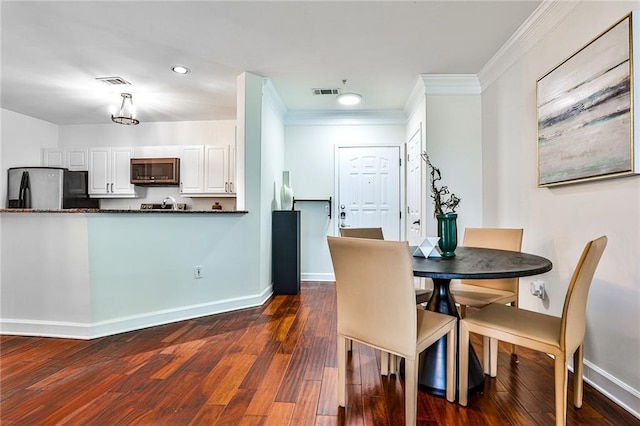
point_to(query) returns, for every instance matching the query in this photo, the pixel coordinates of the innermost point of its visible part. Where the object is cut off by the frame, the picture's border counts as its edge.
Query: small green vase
(448, 233)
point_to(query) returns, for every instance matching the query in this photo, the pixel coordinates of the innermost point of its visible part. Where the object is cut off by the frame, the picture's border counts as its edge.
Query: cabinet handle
(107, 188)
(112, 188)
(230, 186)
(226, 187)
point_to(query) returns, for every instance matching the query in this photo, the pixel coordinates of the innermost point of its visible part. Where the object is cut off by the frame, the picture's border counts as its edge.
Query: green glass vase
(448, 233)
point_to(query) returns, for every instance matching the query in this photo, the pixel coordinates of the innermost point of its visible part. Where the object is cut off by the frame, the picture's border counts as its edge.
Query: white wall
(559, 221)
(454, 145)
(21, 140)
(309, 156)
(272, 151)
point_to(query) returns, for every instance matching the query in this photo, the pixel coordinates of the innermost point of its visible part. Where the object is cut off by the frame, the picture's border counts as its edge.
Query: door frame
(402, 181)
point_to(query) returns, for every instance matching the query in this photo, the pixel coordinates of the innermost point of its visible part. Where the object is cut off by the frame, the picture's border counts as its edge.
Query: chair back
(494, 238)
(371, 233)
(375, 295)
(575, 302)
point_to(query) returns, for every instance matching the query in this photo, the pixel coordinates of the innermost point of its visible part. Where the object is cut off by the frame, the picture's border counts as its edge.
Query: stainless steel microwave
(155, 171)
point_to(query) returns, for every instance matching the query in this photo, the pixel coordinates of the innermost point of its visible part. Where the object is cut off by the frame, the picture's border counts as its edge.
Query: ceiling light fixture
(180, 69)
(126, 113)
(349, 98)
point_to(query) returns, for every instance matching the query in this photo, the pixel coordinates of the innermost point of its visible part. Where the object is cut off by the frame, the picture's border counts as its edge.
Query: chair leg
(577, 376)
(490, 356)
(342, 370)
(560, 373)
(411, 390)
(514, 347)
(463, 310)
(463, 364)
(451, 365)
(486, 355)
(493, 357)
(384, 363)
(393, 364)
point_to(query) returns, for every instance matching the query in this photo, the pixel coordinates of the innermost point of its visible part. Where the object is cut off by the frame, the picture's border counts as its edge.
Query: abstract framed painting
(585, 112)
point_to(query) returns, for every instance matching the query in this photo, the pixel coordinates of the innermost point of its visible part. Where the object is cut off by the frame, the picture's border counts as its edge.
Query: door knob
(416, 222)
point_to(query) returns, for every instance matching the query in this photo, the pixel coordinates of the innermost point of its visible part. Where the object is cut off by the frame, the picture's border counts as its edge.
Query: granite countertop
(139, 211)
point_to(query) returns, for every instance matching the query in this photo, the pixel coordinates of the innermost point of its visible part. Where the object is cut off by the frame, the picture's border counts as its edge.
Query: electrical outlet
(537, 288)
(197, 271)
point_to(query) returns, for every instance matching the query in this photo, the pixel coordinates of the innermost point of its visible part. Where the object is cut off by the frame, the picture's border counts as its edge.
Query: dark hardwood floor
(272, 365)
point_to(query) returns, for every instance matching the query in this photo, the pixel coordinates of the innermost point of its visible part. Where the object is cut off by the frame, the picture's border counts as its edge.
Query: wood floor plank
(280, 414)
(264, 399)
(237, 367)
(307, 403)
(328, 402)
(293, 376)
(270, 365)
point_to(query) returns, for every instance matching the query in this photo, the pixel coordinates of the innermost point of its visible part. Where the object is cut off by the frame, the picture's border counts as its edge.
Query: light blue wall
(143, 263)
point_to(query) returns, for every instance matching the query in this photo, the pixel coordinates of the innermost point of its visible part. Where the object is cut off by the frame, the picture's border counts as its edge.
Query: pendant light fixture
(126, 113)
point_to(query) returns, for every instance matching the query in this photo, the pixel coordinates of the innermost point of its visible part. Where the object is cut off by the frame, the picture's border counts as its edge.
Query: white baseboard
(36, 328)
(85, 331)
(317, 277)
(613, 388)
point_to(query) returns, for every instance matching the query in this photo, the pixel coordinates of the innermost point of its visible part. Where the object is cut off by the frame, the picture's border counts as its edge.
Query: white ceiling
(52, 51)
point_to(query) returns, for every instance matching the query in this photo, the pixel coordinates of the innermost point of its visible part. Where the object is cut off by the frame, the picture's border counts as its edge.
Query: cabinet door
(53, 157)
(216, 172)
(77, 159)
(121, 171)
(99, 171)
(232, 169)
(192, 169)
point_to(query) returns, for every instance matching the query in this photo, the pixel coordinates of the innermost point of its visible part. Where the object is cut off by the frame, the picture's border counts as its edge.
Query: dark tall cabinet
(285, 244)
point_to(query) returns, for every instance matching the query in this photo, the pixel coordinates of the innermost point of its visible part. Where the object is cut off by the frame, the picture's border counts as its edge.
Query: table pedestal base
(433, 361)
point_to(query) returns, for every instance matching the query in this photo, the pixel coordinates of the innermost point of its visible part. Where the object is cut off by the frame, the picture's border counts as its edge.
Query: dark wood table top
(480, 263)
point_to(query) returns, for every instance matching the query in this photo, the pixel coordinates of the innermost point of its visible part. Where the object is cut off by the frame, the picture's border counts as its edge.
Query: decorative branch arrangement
(443, 200)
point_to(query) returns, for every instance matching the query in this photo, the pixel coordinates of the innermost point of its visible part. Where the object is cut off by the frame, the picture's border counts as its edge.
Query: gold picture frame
(585, 111)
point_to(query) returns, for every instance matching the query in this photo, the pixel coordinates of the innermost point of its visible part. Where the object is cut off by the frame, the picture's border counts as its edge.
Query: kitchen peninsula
(90, 273)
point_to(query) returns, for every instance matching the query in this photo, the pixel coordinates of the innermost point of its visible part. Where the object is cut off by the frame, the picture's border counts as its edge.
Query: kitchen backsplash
(157, 194)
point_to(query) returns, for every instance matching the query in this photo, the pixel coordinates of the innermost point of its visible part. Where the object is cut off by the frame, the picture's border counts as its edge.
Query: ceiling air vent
(113, 81)
(326, 91)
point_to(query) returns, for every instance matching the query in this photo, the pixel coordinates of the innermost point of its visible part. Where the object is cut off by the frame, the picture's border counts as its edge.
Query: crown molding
(416, 97)
(345, 118)
(538, 25)
(273, 98)
(451, 84)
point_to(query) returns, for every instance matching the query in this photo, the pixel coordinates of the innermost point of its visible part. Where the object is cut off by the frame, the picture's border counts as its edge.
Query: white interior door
(414, 188)
(369, 189)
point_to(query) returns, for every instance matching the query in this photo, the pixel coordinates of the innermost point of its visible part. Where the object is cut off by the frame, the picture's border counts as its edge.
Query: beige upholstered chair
(478, 293)
(376, 307)
(422, 295)
(560, 337)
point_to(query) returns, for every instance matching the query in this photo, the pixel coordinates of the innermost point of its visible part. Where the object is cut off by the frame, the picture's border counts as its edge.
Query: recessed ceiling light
(349, 98)
(180, 69)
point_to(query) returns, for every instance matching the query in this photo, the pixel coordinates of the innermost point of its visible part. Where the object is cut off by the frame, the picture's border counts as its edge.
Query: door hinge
(400, 161)
(400, 214)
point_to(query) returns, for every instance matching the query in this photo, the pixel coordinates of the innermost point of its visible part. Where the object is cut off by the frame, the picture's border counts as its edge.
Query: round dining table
(468, 263)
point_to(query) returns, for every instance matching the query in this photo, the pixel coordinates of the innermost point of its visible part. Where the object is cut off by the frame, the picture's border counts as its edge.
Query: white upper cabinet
(216, 171)
(109, 173)
(192, 169)
(70, 158)
(207, 171)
